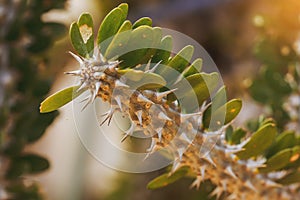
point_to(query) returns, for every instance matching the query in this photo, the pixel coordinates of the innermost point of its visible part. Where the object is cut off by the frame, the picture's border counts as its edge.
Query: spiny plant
(142, 84)
(24, 82)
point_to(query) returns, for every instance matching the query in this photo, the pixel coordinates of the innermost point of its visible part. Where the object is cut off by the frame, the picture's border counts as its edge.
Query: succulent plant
(166, 96)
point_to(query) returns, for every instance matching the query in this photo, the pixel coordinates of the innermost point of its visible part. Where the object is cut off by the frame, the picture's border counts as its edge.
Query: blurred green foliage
(24, 82)
(278, 80)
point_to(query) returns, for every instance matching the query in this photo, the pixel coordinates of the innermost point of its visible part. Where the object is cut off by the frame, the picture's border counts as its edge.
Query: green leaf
(270, 88)
(141, 39)
(279, 160)
(37, 163)
(228, 134)
(254, 124)
(285, 140)
(293, 177)
(26, 164)
(86, 27)
(56, 30)
(277, 81)
(124, 8)
(295, 159)
(140, 79)
(21, 190)
(109, 27)
(220, 98)
(234, 136)
(40, 125)
(194, 90)
(163, 53)
(238, 135)
(181, 60)
(132, 74)
(142, 21)
(59, 99)
(120, 41)
(167, 178)
(77, 40)
(195, 67)
(82, 35)
(269, 52)
(172, 70)
(233, 108)
(222, 115)
(157, 36)
(265, 121)
(259, 142)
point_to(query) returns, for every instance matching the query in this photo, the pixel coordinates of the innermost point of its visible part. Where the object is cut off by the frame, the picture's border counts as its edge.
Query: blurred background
(231, 32)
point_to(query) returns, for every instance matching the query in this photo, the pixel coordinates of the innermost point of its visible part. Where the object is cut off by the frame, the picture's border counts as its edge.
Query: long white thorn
(88, 102)
(189, 115)
(217, 192)
(163, 116)
(154, 67)
(232, 197)
(202, 171)
(106, 113)
(224, 185)
(270, 183)
(108, 117)
(119, 102)
(142, 98)
(184, 137)
(239, 146)
(96, 55)
(197, 182)
(228, 171)
(161, 95)
(252, 164)
(159, 133)
(129, 132)
(98, 75)
(250, 185)
(208, 158)
(102, 58)
(147, 67)
(175, 166)
(113, 64)
(150, 149)
(180, 77)
(82, 86)
(231, 151)
(180, 152)
(212, 134)
(78, 58)
(97, 86)
(100, 68)
(139, 116)
(118, 83)
(85, 99)
(93, 96)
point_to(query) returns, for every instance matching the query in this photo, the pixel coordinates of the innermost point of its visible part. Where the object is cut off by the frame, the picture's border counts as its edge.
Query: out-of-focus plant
(24, 81)
(277, 85)
(257, 163)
